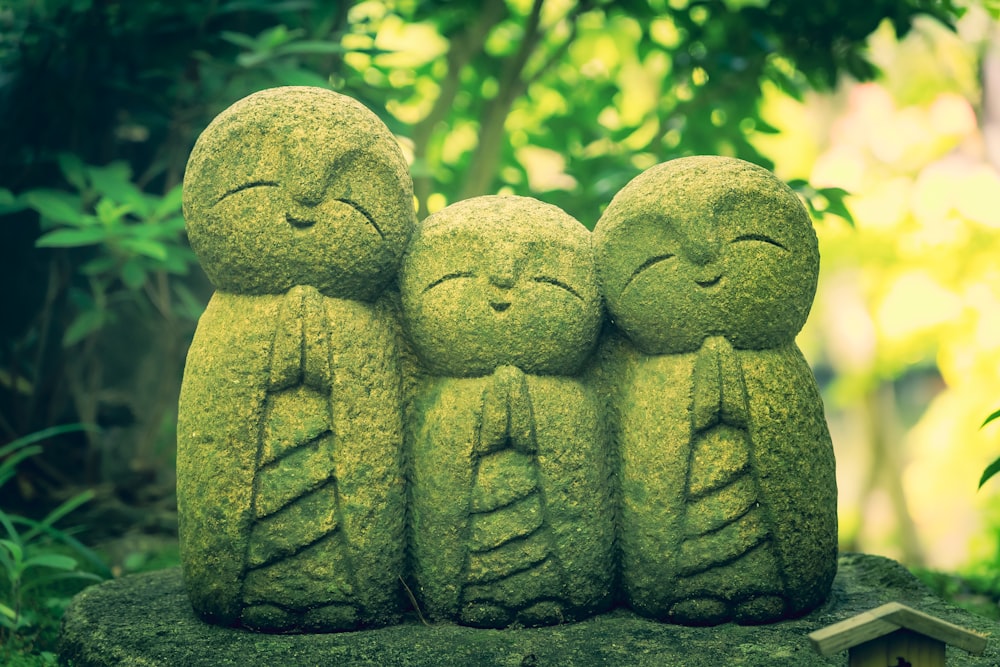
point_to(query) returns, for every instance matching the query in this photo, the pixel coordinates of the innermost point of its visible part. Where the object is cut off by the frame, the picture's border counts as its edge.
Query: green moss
(299, 205)
(510, 502)
(469, 259)
(714, 221)
(298, 186)
(708, 266)
(103, 629)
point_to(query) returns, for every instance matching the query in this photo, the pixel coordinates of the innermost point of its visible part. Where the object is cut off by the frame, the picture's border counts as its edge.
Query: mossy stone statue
(510, 503)
(289, 464)
(708, 266)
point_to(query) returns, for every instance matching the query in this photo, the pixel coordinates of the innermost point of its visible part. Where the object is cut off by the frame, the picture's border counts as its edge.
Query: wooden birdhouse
(894, 635)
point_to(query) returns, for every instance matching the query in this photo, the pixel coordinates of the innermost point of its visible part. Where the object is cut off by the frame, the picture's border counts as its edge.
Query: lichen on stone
(472, 432)
(708, 266)
(289, 464)
(510, 506)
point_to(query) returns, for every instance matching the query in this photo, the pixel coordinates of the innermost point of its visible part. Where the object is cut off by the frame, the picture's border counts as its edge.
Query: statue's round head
(298, 186)
(495, 281)
(706, 246)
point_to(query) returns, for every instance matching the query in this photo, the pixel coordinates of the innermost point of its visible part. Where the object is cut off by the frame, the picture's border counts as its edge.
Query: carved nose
(308, 198)
(499, 306)
(503, 280)
(309, 192)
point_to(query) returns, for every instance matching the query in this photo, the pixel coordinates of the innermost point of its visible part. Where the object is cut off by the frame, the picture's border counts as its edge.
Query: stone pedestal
(147, 620)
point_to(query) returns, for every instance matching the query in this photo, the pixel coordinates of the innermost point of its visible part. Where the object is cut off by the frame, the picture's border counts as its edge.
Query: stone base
(146, 620)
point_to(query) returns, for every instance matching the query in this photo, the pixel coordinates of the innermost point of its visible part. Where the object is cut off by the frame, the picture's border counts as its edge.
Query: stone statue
(510, 502)
(708, 266)
(289, 464)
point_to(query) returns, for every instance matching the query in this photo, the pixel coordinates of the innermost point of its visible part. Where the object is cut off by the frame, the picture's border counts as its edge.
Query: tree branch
(486, 157)
(464, 47)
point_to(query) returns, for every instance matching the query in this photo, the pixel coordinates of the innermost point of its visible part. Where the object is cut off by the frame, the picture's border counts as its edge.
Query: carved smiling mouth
(709, 282)
(499, 306)
(299, 224)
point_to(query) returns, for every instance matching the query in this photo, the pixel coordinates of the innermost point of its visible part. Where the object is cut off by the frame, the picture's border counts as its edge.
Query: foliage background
(881, 113)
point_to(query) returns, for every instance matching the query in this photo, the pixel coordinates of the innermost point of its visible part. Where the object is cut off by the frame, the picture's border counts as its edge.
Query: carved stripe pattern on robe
(726, 523)
(296, 509)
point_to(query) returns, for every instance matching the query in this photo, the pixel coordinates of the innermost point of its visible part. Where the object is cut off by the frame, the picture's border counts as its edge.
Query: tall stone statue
(708, 266)
(299, 205)
(511, 515)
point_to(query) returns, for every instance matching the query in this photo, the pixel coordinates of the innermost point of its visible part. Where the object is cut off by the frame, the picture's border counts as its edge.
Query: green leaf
(133, 274)
(72, 238)
(191, 307)
(98, 265)
(10, 462)
(146, 247)
(114, 181)
(45, 434)
(991, 470)
(59, 512)
(239, 39)
(83, 551)
(169, 203)
(249, 60)
(55, 561)
(178, 261)
(294, 76)
(762, 126)
(56, 206)
(73, 170)
(22, 444)
(992, 417)
(276, 36)
(109, 212)
(15, 550)
(835, 203)
(48, 579)
(82, 299)
(85, 324)
(170, 227)
(9, 203)
(8, 525)
(737, 5)
(309, 47)
(7, 612)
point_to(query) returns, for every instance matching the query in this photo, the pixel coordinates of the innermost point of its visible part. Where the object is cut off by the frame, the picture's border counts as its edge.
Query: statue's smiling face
(707, 246)
(496, 281)
(298, 189)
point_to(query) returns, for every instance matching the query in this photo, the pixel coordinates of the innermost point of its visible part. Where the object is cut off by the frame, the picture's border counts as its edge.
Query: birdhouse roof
(889, 618)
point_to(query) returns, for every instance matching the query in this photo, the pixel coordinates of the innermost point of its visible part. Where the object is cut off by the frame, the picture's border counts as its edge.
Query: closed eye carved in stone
(648, 263)
(558, 283)
(361, 209)
(759, 237)
(247, 186)
(448, 276)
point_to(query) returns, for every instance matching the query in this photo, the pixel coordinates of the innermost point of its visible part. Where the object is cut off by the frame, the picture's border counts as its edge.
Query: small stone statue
(289, 464)
(511, 515)
(708, 266)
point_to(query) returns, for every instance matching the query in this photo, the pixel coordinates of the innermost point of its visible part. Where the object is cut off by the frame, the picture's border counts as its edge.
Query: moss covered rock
(509, 496)
(145, 621)
(289, 454)
(708, 266)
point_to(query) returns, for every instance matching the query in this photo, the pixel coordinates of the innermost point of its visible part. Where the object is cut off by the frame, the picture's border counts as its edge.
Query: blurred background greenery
(883, 114)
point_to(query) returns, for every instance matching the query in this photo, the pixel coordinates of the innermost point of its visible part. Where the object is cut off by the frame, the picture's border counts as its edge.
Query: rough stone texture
(289, 461)
(298, 186)
(708, 266)
(510, 501)
(146, 621)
